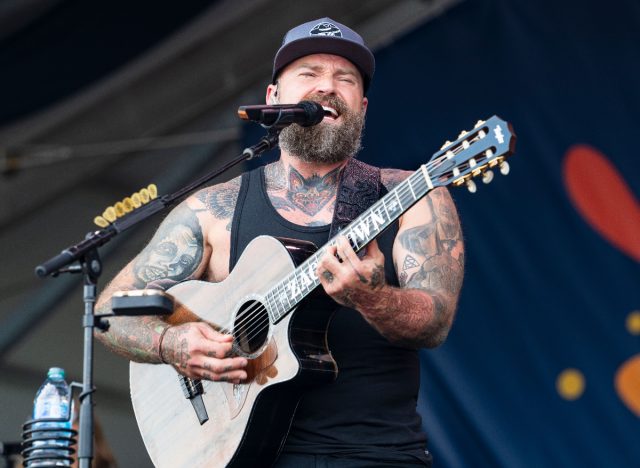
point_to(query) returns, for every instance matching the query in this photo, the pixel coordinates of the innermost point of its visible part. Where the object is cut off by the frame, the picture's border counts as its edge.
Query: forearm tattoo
(175, 348)
(430, 266)
(434, 263)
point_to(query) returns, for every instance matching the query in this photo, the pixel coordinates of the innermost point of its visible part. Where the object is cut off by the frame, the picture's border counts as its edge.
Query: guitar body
(245, 424)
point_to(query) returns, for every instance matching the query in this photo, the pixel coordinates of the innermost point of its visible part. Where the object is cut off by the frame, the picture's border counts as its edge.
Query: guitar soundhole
(251, 327)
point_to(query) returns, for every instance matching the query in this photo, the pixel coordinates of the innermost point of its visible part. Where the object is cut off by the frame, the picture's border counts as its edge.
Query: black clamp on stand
(90, 265)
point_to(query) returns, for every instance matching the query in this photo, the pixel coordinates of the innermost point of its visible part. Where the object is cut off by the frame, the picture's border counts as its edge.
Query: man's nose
(325, 85)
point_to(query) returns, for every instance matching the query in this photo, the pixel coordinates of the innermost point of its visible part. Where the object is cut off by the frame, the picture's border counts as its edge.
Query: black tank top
(369, 412)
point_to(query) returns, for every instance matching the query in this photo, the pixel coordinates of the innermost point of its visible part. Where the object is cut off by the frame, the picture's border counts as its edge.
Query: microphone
(305, 114)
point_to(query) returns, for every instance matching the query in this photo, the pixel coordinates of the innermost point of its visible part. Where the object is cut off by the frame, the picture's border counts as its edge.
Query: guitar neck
(288, 293)
(473, 153)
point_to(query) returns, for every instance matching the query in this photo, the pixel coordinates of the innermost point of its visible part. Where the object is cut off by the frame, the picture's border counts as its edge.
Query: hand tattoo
(326, 274)
(377, 277)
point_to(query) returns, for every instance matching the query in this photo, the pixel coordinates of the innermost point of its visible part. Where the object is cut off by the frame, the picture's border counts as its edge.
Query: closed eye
(348, 80)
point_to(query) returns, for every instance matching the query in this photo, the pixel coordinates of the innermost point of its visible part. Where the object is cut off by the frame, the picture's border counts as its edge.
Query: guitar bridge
(193, 391)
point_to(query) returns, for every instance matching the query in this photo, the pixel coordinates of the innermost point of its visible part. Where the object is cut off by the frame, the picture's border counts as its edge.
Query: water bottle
(53, 400)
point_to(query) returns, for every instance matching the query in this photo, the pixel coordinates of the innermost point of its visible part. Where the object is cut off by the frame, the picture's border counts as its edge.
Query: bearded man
(398, 297)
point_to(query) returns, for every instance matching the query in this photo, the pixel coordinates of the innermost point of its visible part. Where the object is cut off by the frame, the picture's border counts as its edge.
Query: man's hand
(198, 351)
(352, 281)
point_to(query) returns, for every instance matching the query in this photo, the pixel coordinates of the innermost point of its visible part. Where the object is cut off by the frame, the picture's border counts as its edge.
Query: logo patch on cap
(325, 29)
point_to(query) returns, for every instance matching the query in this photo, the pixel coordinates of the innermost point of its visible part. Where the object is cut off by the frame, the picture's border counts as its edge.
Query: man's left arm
(428, 254)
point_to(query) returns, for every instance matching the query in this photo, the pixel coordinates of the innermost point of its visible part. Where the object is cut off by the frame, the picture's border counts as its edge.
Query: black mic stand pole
(90, 265)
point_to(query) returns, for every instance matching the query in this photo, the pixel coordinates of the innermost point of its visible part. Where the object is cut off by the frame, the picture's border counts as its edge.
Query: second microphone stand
(86, 254)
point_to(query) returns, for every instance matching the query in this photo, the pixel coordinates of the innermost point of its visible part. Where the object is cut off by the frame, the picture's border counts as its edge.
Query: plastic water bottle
(52, 401)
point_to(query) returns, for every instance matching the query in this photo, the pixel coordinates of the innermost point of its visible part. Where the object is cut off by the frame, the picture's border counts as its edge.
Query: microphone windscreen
(314, 113)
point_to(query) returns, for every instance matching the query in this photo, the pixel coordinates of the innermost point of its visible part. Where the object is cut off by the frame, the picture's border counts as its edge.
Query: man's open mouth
(330, 112)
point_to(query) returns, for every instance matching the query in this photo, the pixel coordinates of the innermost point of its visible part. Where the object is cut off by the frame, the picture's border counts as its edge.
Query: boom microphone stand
(84, 258)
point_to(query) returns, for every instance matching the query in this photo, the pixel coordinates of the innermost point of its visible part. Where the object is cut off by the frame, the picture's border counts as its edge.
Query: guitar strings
(250, 328)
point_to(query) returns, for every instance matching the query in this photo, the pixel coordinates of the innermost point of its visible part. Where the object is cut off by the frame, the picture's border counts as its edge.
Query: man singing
(398, 297)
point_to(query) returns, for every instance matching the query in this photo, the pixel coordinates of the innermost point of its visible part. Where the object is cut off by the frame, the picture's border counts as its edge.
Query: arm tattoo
(439, 245)
(433, 263)
(177, 348)
(174, 253)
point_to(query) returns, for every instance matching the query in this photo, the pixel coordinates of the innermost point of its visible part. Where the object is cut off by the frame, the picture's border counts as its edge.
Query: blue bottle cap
(56, 373)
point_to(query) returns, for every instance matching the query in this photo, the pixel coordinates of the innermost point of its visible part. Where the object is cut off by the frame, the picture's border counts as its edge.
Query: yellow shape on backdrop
(633, 322)
(570, 384)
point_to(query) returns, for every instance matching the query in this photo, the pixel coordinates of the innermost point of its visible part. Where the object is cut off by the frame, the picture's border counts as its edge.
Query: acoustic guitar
(278, 316)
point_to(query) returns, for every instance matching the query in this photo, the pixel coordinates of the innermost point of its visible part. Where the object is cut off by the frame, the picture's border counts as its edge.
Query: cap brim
(356, 53)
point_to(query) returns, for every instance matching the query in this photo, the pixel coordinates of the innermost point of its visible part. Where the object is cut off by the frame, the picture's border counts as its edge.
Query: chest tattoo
(307, 194)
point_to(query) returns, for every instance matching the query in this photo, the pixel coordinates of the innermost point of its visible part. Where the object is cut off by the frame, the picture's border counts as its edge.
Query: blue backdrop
(542, 367)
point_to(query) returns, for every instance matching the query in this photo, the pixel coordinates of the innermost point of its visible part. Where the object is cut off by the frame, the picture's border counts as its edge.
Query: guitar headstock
(475, 152)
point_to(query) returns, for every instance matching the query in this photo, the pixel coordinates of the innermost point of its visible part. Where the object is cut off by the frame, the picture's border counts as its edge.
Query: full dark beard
(325, 142)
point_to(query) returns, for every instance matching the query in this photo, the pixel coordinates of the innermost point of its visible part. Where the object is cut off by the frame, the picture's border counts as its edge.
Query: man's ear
(272, 94)
(365, 103)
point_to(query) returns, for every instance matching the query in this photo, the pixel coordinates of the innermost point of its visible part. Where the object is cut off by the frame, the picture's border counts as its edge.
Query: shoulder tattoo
(221, 199)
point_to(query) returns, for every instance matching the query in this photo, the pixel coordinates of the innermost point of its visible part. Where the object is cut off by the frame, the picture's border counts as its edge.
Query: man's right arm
(178, 251)
(175, 253)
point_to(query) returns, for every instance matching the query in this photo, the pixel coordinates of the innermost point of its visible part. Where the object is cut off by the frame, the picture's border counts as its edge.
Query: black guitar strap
(359, 188)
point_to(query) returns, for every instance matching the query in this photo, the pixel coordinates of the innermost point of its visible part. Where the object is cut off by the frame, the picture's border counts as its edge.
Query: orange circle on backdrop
(627, 383)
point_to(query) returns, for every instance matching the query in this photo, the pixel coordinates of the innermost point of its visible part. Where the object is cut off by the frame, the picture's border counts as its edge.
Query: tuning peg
(462, 133)
(504, 168)
(471, 186)
(446, 143)
(487, 177)
(479, 123)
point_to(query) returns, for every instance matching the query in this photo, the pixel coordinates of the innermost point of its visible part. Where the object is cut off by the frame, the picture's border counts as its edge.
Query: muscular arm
(175, 253)
(180, 250)
(429, 257)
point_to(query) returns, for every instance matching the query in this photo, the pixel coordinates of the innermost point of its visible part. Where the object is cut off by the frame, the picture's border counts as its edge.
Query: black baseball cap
(325, 36)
